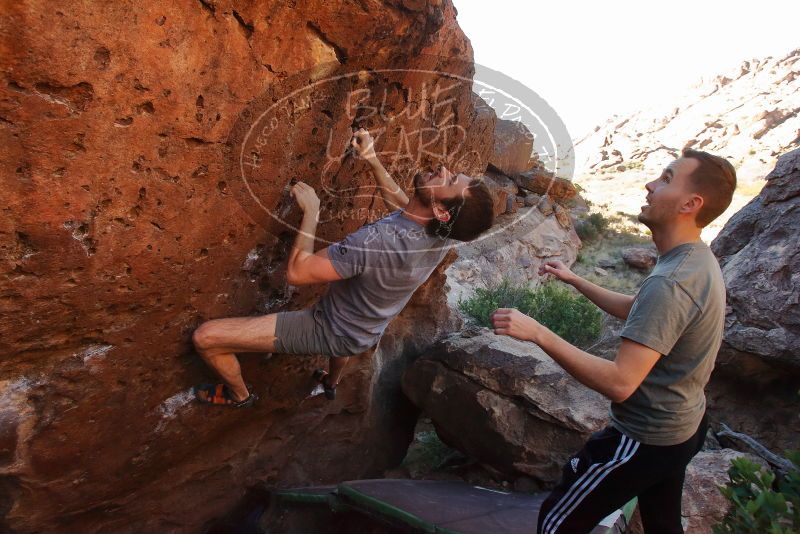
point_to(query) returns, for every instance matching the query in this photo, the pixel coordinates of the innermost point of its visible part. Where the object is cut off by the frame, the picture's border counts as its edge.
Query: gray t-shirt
(680, 312)
(381, 264)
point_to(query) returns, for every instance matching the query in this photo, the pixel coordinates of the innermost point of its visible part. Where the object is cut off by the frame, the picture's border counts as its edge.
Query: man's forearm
(303, 243)
(393, 196)
(592, 371)
(611, 302)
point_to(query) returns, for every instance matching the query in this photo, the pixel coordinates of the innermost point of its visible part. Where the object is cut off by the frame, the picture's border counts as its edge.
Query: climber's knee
(203, 337)
(235, 334)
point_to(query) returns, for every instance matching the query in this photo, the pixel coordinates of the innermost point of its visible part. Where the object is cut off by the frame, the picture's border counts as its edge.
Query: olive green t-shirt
(680, 312)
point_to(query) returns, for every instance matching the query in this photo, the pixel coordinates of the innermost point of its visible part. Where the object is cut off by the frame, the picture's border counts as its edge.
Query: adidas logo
(574, 464)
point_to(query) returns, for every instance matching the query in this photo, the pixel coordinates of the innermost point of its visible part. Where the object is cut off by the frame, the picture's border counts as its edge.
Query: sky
(591, 60)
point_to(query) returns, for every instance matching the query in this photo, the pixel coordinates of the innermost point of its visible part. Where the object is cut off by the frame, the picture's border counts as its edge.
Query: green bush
(556, 306)
(586, 231)
(591, 227)
(599, 221)
(760, 502)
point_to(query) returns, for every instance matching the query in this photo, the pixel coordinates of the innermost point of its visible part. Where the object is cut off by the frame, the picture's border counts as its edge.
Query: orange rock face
(129, 219)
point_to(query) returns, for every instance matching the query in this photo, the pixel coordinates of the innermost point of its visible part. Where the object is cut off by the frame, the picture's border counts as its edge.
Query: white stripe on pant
(582, 487)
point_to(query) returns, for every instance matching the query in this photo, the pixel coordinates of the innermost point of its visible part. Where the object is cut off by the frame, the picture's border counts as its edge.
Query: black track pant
(609, 471)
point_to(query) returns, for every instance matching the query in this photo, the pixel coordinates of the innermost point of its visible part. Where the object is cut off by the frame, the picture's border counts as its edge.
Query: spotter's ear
(693, 205)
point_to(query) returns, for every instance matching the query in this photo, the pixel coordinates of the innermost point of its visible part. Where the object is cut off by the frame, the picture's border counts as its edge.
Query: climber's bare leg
(217, 340)
(227, 368)
(336, 365)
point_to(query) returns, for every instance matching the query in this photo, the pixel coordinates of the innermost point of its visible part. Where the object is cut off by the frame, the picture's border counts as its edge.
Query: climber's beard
(422, 190)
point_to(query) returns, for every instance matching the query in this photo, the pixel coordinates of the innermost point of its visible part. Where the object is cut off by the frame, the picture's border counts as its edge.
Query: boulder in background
(640, 257)
(759, 252)
(513, 147)
(505, 403)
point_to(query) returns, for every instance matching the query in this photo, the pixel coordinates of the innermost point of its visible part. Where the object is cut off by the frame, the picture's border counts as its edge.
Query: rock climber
(673, 330)
(372, 274)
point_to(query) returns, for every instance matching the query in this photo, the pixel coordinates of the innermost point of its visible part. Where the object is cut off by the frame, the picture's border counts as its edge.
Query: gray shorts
(308, 331)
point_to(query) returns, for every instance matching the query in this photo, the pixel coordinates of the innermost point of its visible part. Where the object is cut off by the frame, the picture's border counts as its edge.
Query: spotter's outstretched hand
(558, 270)
(514, 323)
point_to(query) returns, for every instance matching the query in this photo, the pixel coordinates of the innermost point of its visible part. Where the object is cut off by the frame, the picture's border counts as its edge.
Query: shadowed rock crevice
(208, 6)
(247, 28)
(339, 52)
(76, 97)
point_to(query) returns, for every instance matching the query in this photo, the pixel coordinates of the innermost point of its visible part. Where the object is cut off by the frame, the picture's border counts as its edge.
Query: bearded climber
(372, 274)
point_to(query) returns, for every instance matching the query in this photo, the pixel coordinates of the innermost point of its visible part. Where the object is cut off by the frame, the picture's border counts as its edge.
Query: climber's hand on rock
(558, 270)
(363, 144)
(514, 323)
(306, 197)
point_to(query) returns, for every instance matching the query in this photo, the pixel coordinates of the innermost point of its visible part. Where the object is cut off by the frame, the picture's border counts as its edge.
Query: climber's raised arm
(611, 302)
(393, 196)
(304, 266)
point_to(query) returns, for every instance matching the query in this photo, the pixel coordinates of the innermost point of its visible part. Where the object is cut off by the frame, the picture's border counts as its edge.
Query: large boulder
(643, 258)
(505, 403)
(759, 251)
(513, 147)
(126, 223)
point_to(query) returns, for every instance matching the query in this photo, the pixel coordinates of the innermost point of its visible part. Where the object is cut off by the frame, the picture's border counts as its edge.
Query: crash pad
(440, 507)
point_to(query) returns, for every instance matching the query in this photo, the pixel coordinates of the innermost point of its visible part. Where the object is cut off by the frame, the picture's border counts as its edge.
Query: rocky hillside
(748, 115)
